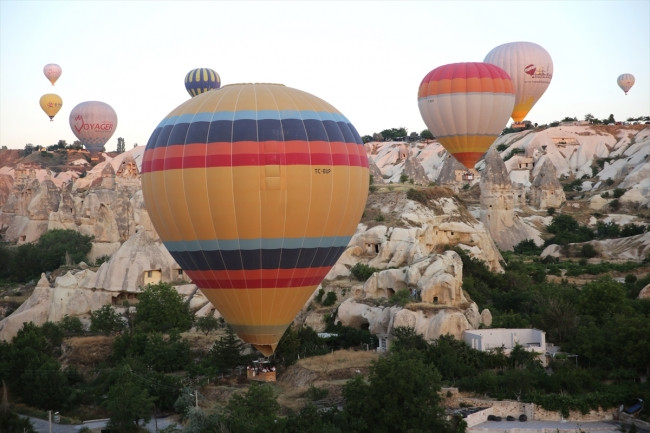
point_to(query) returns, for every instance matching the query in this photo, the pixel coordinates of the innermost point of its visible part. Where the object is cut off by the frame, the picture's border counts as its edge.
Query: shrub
(527, 247)
(588, 251)
(315, 393)
(401, 297)
(417, 195)
(362, 271)
(330, 299)
(619, 192)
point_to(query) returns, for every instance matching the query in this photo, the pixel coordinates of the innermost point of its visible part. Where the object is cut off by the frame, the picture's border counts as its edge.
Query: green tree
(426, 134)
(106, 321)
(128, 402)
(161, 308)
(120, 145)
(602, 298)
(402, 396)
(207, 324)
(12, 423)
(257, 411)
(288, 347)
(226, 352)
(71, 325)
(57, 247)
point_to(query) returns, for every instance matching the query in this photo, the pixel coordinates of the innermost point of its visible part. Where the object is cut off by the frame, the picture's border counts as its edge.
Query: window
(149, 274)
(180, 272)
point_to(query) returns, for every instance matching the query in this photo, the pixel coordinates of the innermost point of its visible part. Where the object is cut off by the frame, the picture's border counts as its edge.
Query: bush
(330, 299)
(588, 251)
(401, 297)
(417, 195)
(619, 192)
(527, 248)
(362, 271)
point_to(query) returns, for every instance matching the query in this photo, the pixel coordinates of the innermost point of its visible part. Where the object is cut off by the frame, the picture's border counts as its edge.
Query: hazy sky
(366, 58)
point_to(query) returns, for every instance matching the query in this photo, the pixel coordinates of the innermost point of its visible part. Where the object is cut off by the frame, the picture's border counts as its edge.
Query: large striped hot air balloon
(201, 80)
(466, 106)
(51, 104)
(625, 82)
(531, 69)
(52, 72)
(94, 123)
(255, 190)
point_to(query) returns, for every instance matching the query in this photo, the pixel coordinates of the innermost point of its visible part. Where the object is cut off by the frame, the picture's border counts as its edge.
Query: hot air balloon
(93, 122)
(201, 80)
(52, 71)
(530, 67)
(625, 82)
(466, 106)
(255, 190)
(51, 104)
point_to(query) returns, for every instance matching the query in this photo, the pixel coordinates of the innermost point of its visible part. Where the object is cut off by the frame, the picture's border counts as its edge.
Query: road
(43, 426)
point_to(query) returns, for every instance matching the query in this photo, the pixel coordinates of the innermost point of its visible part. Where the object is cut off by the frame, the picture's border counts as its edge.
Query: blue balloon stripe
(257, 244)
(230, 131)
(284, 258)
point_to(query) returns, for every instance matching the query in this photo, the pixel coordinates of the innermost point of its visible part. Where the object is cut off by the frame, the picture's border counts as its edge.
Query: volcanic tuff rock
(402, 238)
(498, 204)
(546, 190)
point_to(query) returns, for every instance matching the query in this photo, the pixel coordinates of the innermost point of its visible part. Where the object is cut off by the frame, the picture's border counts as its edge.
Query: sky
(366, 58)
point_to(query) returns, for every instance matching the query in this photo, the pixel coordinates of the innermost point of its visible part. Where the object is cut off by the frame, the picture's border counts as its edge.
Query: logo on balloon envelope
(538, 73)
(80, 125)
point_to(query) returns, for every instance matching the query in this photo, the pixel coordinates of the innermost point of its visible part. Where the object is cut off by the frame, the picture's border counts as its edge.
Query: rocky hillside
(421, 200)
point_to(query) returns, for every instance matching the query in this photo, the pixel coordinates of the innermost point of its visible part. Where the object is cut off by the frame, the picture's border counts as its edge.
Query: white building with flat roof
(486, 340)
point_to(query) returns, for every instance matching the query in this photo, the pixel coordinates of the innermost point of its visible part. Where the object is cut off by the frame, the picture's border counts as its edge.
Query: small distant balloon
(201, 80)
(51, 104)
(52, 71)
(625, 82)
(93, 122)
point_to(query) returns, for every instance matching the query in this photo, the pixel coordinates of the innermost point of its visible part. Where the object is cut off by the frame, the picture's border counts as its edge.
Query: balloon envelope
(625, 82)
(466, 106)
(531, 69)
(51, 104)
(52, 71)
(201, 80)
(255, 190)
(93, 122)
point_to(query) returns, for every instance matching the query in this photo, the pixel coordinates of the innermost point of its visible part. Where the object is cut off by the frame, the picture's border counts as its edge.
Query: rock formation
(546, 190)
(497, 205)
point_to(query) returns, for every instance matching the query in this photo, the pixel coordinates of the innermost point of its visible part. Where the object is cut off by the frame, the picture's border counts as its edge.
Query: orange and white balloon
(466, 106)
